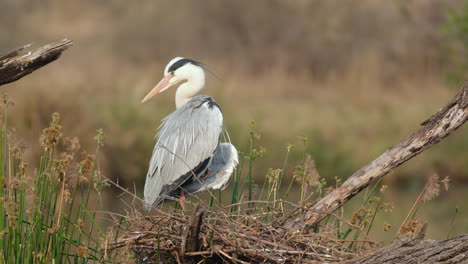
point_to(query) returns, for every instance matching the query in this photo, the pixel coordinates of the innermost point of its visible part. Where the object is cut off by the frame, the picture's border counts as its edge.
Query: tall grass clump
(244, 185)
(47, 214)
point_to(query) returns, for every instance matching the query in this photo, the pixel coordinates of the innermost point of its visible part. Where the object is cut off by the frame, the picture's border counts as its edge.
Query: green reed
(48, 214)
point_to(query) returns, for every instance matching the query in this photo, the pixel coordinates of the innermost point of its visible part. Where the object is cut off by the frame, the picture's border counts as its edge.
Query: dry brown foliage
(225, 236)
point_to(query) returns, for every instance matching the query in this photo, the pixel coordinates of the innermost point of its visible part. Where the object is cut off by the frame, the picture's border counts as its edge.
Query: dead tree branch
(404, 250)
(433, 130)
(14, 66)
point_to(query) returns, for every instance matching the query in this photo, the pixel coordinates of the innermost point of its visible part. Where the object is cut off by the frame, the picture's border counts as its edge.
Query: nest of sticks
(232, 234)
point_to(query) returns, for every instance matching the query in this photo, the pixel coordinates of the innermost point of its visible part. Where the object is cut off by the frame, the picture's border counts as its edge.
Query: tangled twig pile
(225, 235)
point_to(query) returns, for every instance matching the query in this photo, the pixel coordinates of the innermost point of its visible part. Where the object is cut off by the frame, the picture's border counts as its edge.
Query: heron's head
(177, 71)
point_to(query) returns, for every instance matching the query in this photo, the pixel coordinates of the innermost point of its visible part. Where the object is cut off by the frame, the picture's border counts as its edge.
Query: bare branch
(14, 66)
(436, 128)
(404, 250)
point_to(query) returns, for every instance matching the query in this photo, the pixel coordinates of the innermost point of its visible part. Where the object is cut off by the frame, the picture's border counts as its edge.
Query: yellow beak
(161, 86)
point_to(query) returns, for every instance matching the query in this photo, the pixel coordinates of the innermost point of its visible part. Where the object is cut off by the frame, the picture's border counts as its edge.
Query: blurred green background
(353, 77)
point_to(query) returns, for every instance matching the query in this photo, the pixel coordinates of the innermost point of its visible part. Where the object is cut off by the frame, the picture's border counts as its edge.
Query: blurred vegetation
(456, 28)
(352, 79)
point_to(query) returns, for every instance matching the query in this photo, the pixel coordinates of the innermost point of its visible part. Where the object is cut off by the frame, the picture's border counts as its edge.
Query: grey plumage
(188, 157)
(219, 171)
(188, 154)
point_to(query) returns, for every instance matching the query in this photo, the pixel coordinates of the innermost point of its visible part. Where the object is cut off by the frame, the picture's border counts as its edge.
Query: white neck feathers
(195, 82)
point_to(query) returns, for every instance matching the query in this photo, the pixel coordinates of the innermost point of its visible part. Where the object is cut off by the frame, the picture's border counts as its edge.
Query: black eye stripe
(181, 63)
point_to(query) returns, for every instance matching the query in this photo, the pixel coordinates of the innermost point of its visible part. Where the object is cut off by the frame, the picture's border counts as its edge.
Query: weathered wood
(14, 66)
(190, 241)
(437, 127)
(404, 250)
(12, 53)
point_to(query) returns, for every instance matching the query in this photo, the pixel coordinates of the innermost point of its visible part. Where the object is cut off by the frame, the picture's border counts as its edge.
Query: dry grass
(243, 236)
(251, 231)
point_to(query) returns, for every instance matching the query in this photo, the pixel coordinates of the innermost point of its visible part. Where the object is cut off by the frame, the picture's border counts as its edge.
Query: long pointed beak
(161, 86)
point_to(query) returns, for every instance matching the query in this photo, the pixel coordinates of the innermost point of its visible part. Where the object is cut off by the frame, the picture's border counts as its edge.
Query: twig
(231, 258)
(415, 204)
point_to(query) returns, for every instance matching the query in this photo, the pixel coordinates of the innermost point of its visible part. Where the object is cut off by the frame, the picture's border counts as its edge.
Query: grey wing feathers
(187, 138)
(224, 160)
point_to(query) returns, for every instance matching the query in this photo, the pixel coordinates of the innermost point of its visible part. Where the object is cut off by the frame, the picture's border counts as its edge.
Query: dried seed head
(99, 182)
(82, 251)
(384, 188)
(257, 153)
(307, 173)
(411, 228)
(356, 217)
(52, 229)
(310, 171)
(388, 207)
(17, 145)
(64, 163)
(80, 223)
(387, 227)
(253, 133)
(22, 169)
(51, 135)
(446, 182)
(432, 188)
(100, 137)
(72, 144)
(67, 195)
(298, 173)
(364, 223)
(15, 183)
(273, 175)
(83, 179)
(86, 165)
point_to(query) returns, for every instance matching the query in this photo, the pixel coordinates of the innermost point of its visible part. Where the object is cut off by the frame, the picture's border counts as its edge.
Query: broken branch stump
(14, 65)
(190, 241)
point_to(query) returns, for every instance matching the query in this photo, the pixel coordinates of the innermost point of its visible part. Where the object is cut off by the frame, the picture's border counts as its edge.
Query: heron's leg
(182, 199)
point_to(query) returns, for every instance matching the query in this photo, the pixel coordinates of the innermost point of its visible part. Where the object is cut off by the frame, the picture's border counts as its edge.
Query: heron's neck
(189, 89)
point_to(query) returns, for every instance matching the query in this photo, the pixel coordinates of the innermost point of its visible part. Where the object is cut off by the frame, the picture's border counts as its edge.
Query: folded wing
(186, 143)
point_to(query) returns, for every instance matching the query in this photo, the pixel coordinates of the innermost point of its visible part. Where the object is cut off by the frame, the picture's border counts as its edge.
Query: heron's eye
(172, 73)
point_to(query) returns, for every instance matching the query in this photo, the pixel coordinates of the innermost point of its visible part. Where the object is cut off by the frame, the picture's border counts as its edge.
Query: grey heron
(188, 157)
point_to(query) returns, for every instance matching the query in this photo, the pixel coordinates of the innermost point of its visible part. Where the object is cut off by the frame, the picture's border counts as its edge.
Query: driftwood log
(433, 130)
(404, 250)
(16, 64)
